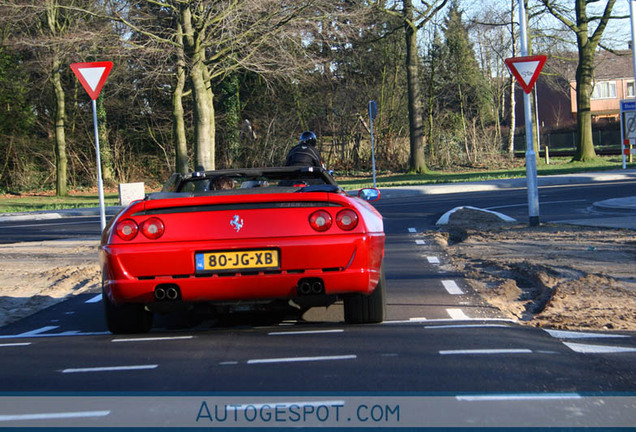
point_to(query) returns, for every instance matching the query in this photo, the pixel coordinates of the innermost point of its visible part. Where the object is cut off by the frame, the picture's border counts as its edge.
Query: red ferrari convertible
(244, 237)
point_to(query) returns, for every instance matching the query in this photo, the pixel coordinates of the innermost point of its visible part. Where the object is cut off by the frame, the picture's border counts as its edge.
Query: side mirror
(369, 194)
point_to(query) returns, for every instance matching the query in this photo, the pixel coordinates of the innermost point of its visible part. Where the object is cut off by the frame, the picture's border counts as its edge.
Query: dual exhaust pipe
(167, 292)
(310, 286)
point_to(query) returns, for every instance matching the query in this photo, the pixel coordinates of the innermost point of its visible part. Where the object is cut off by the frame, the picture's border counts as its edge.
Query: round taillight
(127, 229)
(153, 228)
(347, 220)
(320, 220)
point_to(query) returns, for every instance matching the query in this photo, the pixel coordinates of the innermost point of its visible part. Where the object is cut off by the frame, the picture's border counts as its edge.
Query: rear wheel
(367, 309)
(126, 318)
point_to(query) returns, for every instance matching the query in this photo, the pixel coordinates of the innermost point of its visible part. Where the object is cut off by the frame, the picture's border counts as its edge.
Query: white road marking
(302, 359)
(53, 416)
(457, 314)
(466, 326)
(450, 320)
(409, 321)
(37, 331)
(517, 397)
(110, 368)
(597, 349)
(563, 334)
(433, 260)
(452, 287)
(420, 242)
(485, 351)
(15, 344)
(307, 332)
(95, 299)
(225, 363)
(66, 333)
(412, 230)
(151, 339)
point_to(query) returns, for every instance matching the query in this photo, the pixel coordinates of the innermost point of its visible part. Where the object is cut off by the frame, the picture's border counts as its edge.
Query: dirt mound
(556, 276)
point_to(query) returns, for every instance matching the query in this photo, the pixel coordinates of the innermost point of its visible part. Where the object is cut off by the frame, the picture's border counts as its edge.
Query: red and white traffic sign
(92, 76)
(526, 70)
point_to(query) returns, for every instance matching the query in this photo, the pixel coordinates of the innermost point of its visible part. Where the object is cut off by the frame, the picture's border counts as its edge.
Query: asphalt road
(439, 343)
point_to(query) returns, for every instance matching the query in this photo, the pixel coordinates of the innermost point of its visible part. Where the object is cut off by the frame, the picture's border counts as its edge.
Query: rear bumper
(345, 264)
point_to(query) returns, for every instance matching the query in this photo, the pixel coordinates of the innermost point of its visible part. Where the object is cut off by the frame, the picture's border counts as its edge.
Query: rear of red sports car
(278, 234)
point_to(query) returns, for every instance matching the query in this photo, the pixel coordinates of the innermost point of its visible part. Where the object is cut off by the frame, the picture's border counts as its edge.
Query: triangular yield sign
(92, 76)
(526, 70)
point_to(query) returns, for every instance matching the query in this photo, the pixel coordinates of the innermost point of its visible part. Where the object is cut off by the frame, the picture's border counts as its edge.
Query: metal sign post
(92, 76)
(531, 156)
(373, 111)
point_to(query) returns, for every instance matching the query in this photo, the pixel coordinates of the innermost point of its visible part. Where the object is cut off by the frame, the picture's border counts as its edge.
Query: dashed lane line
(433, 260)
(95, 299)
(53, 416)
(457, 314)
(305, 332)
(153, 339)
(486, 351)
(420, 242)
(110, 368)
(412, 230)
(452, 287)
(15, 344)
(302, 359)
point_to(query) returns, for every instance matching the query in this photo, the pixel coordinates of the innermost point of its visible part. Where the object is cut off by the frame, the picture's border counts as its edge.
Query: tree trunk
(178, 121)
(61, 161)
(584, 71)
(417, 162)
(201, 93)
(513, 99)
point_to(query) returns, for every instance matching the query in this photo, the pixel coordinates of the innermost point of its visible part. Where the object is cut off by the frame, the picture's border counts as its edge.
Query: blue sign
(628, 105)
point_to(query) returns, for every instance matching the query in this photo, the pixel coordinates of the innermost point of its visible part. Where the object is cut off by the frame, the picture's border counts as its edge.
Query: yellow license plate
(237, 260)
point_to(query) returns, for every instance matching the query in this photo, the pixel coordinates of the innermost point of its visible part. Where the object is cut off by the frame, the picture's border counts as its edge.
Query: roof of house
(607, 65)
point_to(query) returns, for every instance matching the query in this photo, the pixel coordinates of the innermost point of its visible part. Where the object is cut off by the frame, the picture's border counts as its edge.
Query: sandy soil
(557, 276)
(36, 275)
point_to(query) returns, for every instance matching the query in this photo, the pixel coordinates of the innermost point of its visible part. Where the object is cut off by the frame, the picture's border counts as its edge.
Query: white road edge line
(15, 344)
(485, 351)
(457, 314)
(306, 332)
(151, 339)
(598, 349)
(452, 287)
(53, 416)
(95, 299)
(110, 368)
(564, 334)
(302, 359)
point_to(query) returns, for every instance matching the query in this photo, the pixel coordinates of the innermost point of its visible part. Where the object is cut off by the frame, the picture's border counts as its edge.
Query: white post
(531, 156)
(372, 108)
(100, 184)
(632, 13)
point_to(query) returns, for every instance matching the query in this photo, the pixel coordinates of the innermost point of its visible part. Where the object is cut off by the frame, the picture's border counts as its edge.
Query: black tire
(367, 309)
(126, 318)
